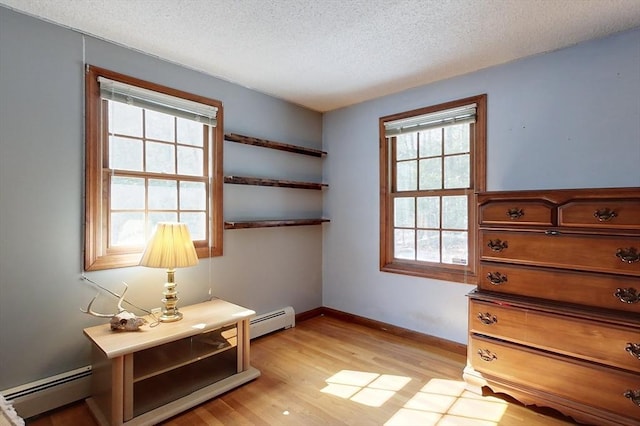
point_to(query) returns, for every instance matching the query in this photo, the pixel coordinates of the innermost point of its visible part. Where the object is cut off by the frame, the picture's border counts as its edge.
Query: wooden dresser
(555, 320)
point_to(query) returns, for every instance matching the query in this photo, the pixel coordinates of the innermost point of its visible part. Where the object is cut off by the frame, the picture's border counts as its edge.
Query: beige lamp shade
(170, 247)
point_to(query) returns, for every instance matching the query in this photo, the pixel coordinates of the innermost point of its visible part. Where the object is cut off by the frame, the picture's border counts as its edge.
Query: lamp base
(170, 311)
(170, 317)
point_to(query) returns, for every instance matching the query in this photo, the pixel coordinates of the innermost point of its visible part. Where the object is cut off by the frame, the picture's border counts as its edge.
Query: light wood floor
(326, 372)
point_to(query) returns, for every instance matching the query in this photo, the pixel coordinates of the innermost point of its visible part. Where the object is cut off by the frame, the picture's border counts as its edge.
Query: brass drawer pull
(496, 278)
(605, 215)
(487, 355)
(634, 396)
(629, 255)
(633, 349)
(627, 295)
(489, 319)
(497, 245)
(515, 213)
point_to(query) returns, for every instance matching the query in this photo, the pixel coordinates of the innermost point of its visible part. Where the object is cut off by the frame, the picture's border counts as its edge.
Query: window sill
(460, 276)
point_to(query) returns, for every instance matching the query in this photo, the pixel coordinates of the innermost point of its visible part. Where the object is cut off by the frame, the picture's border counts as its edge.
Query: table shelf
(158, 390)
(146, 376)
(156, 361)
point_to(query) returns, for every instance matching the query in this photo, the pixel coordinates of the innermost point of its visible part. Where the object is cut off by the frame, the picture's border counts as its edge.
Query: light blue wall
(566, 119)
(41, 200)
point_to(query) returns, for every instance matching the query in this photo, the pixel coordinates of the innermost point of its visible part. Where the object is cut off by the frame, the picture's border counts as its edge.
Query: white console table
(143, 377)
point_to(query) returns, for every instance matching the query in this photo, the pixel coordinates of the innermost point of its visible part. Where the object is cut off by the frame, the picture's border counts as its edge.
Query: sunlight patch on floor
(446, 402)
(370, 389)
(439, 403)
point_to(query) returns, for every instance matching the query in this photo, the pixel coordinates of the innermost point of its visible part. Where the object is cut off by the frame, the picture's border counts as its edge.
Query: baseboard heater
(272, 321)
(52, 392)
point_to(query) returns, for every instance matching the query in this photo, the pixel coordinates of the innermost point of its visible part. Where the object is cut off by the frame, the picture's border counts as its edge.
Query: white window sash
(156, 101)
(449, 117)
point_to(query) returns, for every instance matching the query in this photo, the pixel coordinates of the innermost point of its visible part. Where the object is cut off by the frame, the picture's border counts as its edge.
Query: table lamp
(170, 247)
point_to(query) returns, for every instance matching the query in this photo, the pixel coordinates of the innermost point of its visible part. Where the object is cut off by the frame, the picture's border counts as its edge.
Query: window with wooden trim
(153, 154)
(432, 162)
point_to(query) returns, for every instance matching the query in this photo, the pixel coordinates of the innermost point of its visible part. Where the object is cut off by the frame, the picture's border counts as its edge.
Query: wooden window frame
(97, 255)
(454, 273)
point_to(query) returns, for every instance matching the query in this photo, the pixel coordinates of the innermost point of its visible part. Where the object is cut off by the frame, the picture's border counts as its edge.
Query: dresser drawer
(517, 213)
(591, 384)
(601, 214)
(570, 251)
(502, 322)
(591, 289)
(615, 345)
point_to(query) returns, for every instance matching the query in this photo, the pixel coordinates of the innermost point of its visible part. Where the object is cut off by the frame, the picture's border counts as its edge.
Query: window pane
(190, 161)
(125, 119)
(456, 139)
(134, 181)
(159, 126)
(454, 247)
(443, 186)
(431, 173)
(407, 146)
(456, 171)
(197, 223)
(160, 158)
(404, 214)
(127, 193)
(429, 246)
(127, 229)
(156, 217)
(428, 212)
(193, 196)
(407, 179)
(190, 132)
(431, 143)
(454, 212)
(163, 194)
(404, 244)
(125, 153)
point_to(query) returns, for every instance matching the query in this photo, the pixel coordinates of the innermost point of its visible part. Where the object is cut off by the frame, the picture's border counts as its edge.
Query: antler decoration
(99, 315)
(121, 320)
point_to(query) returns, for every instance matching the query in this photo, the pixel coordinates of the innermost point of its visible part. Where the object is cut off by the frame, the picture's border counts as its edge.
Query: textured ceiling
(326, 54)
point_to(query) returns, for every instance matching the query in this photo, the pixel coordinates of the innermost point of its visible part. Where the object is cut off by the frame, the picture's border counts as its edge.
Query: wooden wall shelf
(246, 180)
(248, 140)
(272, 223)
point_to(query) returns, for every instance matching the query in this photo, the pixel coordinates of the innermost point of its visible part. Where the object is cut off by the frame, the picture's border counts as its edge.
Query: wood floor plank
(327, 371)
